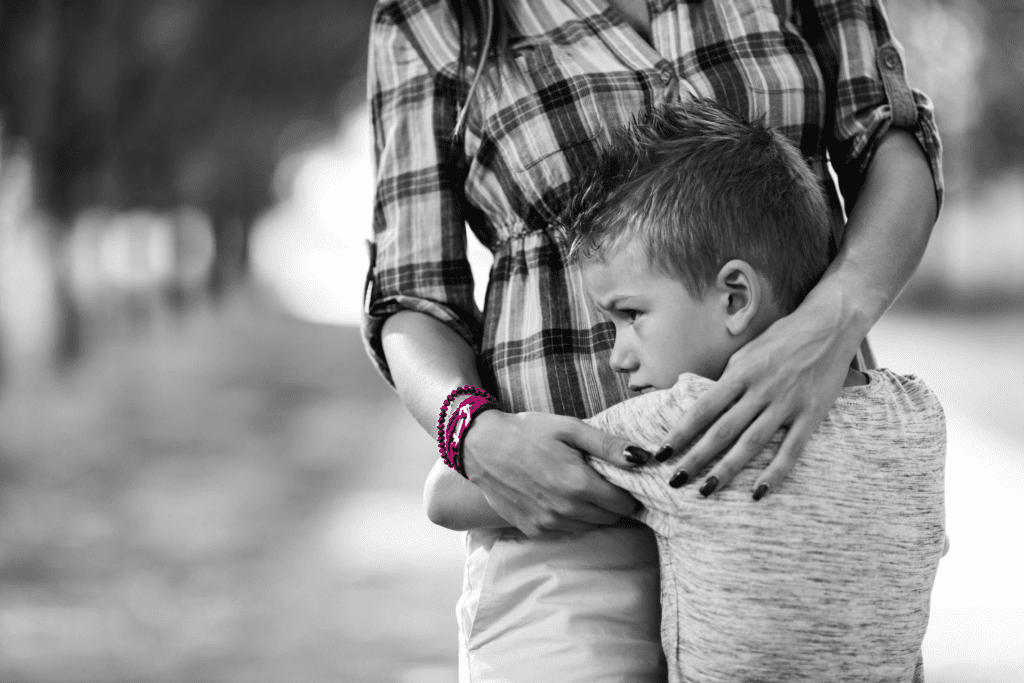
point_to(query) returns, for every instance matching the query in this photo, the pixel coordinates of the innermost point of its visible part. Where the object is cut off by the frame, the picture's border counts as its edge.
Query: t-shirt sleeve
(644, 421)
(418, 254)
(867, 83)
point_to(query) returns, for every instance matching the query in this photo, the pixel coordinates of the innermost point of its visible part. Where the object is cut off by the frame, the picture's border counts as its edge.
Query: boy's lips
(639, 388)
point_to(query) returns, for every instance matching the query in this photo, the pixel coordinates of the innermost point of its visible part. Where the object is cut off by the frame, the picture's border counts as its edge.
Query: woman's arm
(792, 373)
(886, 152)
(528, 465)
(455, 503)
(420, 321)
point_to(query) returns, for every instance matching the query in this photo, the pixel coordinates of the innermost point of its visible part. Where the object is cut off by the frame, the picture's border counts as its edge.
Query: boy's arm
(454, 502)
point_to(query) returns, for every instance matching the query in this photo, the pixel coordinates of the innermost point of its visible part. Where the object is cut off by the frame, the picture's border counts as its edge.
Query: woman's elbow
(444, 517)
(437, 511)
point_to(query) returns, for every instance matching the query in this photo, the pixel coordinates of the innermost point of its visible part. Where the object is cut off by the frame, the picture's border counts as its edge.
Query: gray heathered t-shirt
(828, 578)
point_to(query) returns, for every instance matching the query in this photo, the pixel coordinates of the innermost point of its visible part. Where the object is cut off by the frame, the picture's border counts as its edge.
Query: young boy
(696, 233)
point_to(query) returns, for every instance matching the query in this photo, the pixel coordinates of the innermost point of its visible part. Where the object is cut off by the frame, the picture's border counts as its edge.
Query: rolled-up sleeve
(871, 93)
(418, 254)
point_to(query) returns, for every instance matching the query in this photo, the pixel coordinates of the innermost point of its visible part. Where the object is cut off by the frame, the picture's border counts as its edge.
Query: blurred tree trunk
(61, 70)
(30, 54)
(161, 104)
(82, 150)
(231, 237)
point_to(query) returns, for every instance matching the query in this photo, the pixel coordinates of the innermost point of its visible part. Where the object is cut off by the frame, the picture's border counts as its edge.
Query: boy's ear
(742, 295)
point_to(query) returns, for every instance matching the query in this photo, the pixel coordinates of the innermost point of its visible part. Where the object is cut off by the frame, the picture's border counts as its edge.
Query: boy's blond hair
(693, 186)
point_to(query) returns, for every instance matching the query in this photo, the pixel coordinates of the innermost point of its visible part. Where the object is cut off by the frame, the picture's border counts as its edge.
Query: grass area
(166, 512)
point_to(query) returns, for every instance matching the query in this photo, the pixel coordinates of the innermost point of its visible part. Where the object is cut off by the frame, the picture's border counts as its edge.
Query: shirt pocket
(544, 118)
(544, 105)
(782, 80)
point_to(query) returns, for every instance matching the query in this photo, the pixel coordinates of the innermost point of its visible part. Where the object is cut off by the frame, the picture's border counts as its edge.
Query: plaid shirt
(827, 74)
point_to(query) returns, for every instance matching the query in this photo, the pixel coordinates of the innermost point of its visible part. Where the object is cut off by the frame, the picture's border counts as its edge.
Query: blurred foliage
(160, 103)
(164, 103)
(998, 136)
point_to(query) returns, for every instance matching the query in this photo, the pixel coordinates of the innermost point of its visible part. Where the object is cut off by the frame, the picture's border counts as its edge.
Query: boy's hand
(530, 469)
(789, 376)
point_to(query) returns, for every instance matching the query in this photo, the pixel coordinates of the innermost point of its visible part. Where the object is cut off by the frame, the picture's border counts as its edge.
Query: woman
(562, 74)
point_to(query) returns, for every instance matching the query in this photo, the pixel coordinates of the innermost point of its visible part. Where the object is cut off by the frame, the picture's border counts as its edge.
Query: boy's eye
(630, 313)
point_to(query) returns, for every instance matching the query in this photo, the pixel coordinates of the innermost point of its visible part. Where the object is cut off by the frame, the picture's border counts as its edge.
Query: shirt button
(889, 60)
(666, 76)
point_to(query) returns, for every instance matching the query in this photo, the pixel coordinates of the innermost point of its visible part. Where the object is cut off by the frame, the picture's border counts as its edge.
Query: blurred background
(201, 476)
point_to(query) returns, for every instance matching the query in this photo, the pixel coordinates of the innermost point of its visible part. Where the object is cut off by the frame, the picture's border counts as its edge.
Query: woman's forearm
(427, 360)
(528, 464)
(885, 237)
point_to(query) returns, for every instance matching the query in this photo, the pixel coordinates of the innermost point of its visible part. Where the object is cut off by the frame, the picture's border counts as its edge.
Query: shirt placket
(662, 13)
(636, 52)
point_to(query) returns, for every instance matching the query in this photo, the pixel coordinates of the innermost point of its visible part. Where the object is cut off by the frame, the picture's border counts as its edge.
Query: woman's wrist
(884, 240)
(848, 313)
(472, 440)
(449, 412)
(458, 412)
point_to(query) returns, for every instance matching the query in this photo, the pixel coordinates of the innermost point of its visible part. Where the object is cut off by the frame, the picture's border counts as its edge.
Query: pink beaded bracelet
(449, 441)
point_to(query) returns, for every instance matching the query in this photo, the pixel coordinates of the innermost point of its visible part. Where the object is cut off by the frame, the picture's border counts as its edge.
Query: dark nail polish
(761, 490)
(679, 478)
(636, 455)
(663, 454)
(710, 484)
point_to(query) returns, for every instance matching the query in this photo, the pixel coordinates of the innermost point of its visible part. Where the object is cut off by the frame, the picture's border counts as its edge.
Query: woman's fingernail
(663, 454)
(710, 484)
(636, 455)
(761, 490)
(678, 479)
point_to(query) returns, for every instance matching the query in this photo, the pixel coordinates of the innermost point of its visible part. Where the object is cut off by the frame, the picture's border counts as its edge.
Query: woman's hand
(789, 376)
(527, 464)
(530, 469)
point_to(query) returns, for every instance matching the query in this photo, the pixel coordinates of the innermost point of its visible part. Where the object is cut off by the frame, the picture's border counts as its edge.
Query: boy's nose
(621, 360)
